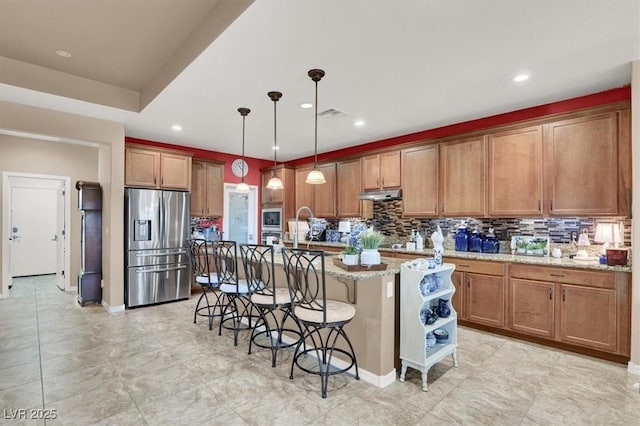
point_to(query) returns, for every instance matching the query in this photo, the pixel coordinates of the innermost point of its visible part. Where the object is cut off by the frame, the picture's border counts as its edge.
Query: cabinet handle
(557, 275)
(550, 293)
(564, 295)
(539, 205)
(468, 282)
(154, 180)
(551, 205)
(382, 180)
(462, 266)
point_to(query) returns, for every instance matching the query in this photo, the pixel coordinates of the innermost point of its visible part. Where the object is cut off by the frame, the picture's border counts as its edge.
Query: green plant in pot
(350, 255)
(370, 241)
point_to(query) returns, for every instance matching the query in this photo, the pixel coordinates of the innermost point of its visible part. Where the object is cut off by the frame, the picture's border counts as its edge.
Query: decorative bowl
(442, 336)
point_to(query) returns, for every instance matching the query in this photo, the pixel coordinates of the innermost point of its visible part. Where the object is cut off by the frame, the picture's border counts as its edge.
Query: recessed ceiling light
(275, 148)
(63, 53)
(176, 127)
(359, 123)
(306, 105)
(520, 78)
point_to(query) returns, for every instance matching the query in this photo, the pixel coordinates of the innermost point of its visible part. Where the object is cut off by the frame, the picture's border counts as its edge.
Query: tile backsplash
(387, 217)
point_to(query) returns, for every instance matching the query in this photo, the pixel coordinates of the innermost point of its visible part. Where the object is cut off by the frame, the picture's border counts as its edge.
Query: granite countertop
(393, 267)
(564, 262)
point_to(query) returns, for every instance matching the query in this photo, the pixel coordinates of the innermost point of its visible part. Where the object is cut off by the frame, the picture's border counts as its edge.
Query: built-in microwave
(272, 219)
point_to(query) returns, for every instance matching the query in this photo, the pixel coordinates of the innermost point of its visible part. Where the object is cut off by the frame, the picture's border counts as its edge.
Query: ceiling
(400, 66)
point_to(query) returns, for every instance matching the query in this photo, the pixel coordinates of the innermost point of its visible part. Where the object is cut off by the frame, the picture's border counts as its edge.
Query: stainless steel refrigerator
(156, 251)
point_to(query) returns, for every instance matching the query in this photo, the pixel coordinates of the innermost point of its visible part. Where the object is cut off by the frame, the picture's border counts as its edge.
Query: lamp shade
(315, 177)
(275, 183)
(607, 233)
(242, 188)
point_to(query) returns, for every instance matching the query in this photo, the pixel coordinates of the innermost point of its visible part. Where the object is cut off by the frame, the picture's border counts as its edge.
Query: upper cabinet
(349, 183)
(463, 177)
(207, 192)
(320, 198)
(381, 170)
(582, 165)
(157, 169)
(515, 172)
(285, 197)
(420, 181)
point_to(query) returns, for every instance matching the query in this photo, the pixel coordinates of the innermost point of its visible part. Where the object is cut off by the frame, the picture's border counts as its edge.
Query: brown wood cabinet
(320, 198)
(207, 193)
(590, 309)
(463, 177)
(349, 182)
(480, 291)
(381, 170)
(420, 181)
(515, 172)
(145, 167)
(582, 165)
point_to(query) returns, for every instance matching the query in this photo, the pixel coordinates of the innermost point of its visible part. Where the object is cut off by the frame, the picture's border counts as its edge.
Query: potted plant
(350, 255)
(370, 241)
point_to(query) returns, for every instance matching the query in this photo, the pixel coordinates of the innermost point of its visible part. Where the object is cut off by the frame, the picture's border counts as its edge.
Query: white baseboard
(113, 309)
(633, 368)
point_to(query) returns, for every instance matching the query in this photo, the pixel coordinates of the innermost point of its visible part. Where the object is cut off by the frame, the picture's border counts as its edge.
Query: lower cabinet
(582, 308)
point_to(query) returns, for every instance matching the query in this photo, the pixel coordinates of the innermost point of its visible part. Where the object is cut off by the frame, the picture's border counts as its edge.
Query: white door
(240, 222)
(34, 214)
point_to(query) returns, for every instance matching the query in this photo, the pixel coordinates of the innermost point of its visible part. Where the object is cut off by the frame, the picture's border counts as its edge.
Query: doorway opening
(240, 222)
(35, 223)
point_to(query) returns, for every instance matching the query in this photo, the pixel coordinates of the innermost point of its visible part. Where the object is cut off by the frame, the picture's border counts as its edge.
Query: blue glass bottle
(475, 241)
(491, 243)
(462, 239)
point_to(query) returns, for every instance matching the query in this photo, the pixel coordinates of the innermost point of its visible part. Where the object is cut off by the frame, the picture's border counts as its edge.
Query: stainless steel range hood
(383, 195)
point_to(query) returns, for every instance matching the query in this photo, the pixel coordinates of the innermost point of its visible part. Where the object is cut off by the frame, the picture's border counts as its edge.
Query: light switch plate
(390, 289)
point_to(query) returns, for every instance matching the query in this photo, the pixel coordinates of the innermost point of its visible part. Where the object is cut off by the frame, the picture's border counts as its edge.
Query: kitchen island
(373, 329)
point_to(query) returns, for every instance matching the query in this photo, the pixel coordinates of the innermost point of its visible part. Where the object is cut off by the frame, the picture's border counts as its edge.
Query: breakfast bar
(373, 329)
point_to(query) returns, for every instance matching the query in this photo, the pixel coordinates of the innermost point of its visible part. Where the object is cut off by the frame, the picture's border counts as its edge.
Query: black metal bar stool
(273, 303)
(211, 302)
(323, 319)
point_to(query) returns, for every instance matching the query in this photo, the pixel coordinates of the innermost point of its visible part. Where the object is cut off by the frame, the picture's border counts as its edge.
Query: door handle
(16, 237)
(55, 238)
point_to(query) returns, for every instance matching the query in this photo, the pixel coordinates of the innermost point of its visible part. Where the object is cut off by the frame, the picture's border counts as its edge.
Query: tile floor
(154, 366)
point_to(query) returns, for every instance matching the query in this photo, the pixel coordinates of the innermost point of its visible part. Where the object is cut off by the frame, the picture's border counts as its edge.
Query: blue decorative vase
(424, 285)
(462, 239)
(443, 309)
(354, 236)
(431, 340)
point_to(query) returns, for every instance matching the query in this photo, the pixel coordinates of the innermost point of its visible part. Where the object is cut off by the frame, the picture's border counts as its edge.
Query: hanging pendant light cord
(243, 112)
(275, 140)
(315, 150)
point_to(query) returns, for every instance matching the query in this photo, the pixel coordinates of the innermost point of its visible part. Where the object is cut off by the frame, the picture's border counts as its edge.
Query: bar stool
(211, 301)
(238, 309)
(272, 303)
(323, 319)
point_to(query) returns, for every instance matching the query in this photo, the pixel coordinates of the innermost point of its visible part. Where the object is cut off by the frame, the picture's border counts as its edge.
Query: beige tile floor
(154, 366)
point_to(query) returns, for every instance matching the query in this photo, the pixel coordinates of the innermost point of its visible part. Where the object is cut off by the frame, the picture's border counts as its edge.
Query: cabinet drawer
(570, 276)
(477, 266)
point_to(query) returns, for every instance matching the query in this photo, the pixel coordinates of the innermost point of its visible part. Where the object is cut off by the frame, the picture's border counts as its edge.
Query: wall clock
(237, 167)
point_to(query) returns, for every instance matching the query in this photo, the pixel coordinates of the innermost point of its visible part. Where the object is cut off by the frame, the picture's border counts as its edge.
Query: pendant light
(315, 176)
(242, 186)
(275, 182)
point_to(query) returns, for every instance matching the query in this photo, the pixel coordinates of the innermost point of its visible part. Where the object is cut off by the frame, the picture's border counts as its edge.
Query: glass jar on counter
(491, 243)
(462, 238)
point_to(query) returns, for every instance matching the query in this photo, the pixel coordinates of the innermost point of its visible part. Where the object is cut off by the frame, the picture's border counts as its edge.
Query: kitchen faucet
(295, 236)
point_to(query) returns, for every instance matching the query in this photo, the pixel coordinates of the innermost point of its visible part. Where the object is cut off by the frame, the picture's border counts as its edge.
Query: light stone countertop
(563, 262)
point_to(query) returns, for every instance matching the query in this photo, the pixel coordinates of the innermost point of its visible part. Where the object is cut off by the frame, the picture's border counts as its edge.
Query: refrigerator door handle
(144, 271)
(161, 254)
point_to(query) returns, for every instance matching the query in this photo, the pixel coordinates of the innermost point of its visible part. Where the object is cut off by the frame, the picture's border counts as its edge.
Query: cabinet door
(420, 181)
(583, 165)
(304, 191)
(141, 167)
(485, 299)
(215, 189)
(588, 317)
(175, 171)
(325, 194)
(371, 172)
(463, 175)
(457, 301)
(198, 196)
(390, 168)
(348, 187)
(515, 172)
(272, 195)
(531, 307)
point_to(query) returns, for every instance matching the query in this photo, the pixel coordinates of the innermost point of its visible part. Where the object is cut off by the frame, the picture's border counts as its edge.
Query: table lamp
(344, 228)
(607, 233)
